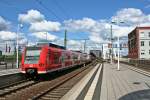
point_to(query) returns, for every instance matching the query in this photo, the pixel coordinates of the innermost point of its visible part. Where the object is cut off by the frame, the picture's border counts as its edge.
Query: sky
(83, 19)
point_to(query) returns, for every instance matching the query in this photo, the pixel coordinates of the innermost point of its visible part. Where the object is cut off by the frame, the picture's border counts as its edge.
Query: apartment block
(139, 43)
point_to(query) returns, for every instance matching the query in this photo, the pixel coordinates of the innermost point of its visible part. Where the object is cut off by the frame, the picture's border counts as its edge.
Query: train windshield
(32, 55)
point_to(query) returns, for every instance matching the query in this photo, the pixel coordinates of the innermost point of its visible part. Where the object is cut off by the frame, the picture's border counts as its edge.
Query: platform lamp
(118, 67)
(18, 31)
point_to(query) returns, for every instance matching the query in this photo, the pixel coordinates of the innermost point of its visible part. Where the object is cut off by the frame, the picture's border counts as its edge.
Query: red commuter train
(47, 58)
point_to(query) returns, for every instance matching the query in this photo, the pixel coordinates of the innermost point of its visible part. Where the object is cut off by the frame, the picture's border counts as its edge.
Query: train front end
(33, 61)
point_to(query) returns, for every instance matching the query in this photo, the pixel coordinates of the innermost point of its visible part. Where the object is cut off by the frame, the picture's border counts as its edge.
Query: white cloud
(96, 28)
(37, 22)
(121, 31)
(4, 25)
(45, 26)
(99, 30)
(84, 24)
(23, 41)
(73, 43)
(32, 16)
(132, 16)
(95, 38)
(7, 35)
(43, 35)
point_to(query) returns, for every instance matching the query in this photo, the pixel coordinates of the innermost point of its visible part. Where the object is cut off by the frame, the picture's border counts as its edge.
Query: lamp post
(118, 67)
(18, 29)
(65, 39)
(111, 40)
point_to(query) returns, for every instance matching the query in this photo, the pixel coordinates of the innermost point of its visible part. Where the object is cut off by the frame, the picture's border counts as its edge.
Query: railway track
(8, 90)
(12, 84)
(60, 89)
(51, 89)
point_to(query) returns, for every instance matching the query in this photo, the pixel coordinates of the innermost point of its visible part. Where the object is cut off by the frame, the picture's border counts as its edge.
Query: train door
(72, 58)
(67, 62)
(79, 58)
(62, 59)
(48, 59)
(56, 61)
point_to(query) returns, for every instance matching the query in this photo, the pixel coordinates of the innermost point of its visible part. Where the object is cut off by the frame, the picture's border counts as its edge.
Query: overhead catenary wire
(61, 8)
(8, 19)
(49, 10)
(8, 4)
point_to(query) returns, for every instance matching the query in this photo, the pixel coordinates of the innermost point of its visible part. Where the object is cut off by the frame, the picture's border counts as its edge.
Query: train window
(62, 58)
(75, 57)
(32, 56)
(65, 56)
(68, 57)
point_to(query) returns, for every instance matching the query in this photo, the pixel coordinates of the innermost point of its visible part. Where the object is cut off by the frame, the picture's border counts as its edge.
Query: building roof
(147, 27)
(137, 28)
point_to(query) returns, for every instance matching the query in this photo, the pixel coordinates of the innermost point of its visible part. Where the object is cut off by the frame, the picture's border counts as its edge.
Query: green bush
(10, 58)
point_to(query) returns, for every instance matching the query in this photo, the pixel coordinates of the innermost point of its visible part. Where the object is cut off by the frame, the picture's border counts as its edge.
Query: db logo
(31, 65)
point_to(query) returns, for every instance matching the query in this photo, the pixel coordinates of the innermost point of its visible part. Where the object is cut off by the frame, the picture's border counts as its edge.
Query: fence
(8, 61)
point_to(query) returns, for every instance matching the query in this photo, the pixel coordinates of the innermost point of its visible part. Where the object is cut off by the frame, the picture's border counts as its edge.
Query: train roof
(51, 45)
(56, 46)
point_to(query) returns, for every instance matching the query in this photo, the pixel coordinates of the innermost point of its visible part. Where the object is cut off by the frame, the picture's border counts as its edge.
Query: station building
(139, 43)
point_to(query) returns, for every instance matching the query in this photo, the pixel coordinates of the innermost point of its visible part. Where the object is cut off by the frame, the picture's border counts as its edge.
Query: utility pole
(118, 68)
(85, 40)
(17, 65)
(65, 39)
(46, 36)
(85, 45)
(18, 31)
(102, 52)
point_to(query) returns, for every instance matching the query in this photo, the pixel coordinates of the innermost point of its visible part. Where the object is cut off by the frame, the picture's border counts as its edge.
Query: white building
(144, 47)
(106, 52)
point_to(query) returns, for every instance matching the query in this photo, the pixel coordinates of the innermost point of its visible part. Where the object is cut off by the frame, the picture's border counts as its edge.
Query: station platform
(105, 82)
(125, 84)
(9, 72)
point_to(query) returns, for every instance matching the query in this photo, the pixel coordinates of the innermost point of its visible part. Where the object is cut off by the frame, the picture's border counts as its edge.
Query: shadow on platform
(137, 95)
